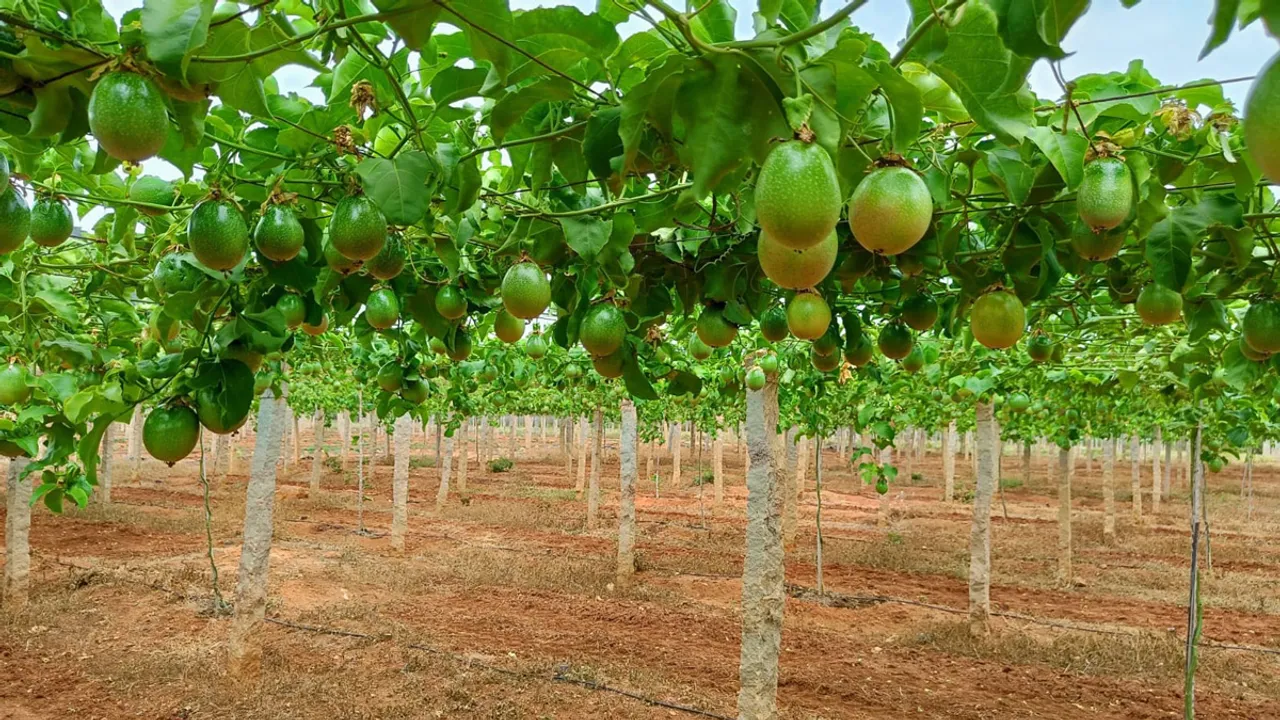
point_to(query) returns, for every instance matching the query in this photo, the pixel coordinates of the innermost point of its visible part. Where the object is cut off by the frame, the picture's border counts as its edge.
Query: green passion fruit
(170, 433)
(808, 316)
(1247, 350)
(1040, 347)
(217, 234)
(15, 220)
(338, 262)
(536, 346)
(698, 349)
(890, 210)
(13, 385)
(798, 195)
(461, 347)
(914, 361)
(51, 222)
(173, 274)
(1096, 246)
(714, 329)
(1158, 305)
(602, 330)
(390, 260)
(920, 311)
(414, 392)
(279, 235)
(1261, 326)
(829, 343)
(756, 379)
(450, 303)
(1105, 197)
(1261, 109)
(526, 293)
(824, 363)
(127, 116)
(998, 319)
(1019, 402)
(382, 309)
(895, 340)
(796, 269)
(860, 351)
(773, 324)
(293, 310)
(357, 228)
(768, 363)
(508, 327)
(609, 366)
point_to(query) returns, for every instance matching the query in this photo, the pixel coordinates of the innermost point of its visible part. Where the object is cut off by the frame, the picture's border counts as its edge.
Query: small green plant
(706, 477)
(500, 465)
(1010, 483)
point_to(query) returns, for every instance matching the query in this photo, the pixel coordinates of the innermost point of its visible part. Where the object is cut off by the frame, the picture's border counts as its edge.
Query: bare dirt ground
(502, 605)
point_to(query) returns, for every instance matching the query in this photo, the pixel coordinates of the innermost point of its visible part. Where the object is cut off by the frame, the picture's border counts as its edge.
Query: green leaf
(414, 27)
(1035, 28)
(650, 100)
(1011, 173)
(1239, 372)
(508, 110)
(60, 303)
(728, 119)
(904, 101)
(714, 21)
(602, 143)
(487, 23)
(52, 112)
(1224, 19)
(1170, 243)
(1204, 317)
(633, 377)
(1066, 152)
(398, 186)
(172, 29)
(587, 235)
(989, 79)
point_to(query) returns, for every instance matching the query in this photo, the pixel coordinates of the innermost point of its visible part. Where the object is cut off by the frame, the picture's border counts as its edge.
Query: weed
(500, 465)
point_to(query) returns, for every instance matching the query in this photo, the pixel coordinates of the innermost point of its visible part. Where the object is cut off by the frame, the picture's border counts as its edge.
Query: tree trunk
(245, 658)
(1168, 467)
(802, 465)
(1065, 574)
(597, 459)
(627, 496)
(297, 439)
(675, 455)
(344, 423)
(1026, 464)
(439, 441)
(1109, 491)
(1135, 475)
(446, 467)
(584, 436)
(566, 447)
(107, 466)
(763, 590)
(135, 443)
(1156, 481)
(817, 488)
(949, 462)
(317, 455)
(790, 508)
(463, 461)
(400, 482)
(17, 536)
(980, 529)
(717, 461)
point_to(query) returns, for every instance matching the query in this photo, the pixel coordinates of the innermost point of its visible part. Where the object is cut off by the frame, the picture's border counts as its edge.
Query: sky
(1166, 34)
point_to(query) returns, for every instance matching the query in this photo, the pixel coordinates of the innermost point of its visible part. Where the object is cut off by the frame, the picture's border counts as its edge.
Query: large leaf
(1011, 172)
(174, 28)
(1066, 152)
(398, 186)
(508, 110)
(904, 101)
(990, 80)
(1171, 241)
(587, 235)
(714, 21)
(729, 118)
(414, 26)
(651, 100)
(1223, 21)
(1034, 28)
